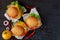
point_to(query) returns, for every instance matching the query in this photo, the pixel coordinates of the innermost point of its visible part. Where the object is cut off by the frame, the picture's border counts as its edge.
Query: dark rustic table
(50, 15)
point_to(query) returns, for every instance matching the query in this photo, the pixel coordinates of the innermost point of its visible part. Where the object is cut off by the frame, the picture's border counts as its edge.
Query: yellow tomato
(6, 34)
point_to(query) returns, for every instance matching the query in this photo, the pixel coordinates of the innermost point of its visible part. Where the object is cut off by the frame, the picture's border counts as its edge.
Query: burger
(19, 29)
(14, 10)
(32, 20)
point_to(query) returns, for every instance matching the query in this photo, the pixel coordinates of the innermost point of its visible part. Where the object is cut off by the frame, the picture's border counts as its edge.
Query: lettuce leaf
(35, 15)
(20, 7)
(32, 14)
(14, 2)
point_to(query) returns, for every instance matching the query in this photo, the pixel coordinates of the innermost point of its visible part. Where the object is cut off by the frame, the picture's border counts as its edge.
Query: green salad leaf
(35, 15)
(32, 14)
(20, 7)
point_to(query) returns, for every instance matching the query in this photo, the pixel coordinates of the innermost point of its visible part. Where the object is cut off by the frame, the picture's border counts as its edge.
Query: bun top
(12, 12)
(32, 22)
(17, 30)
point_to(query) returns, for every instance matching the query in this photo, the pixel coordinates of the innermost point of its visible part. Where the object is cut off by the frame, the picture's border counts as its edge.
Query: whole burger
(32, 20)
(14, 10)
(19, 29)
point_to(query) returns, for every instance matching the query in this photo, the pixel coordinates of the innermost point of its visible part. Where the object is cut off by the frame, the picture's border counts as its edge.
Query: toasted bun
(32, 22)
(12, 12)
(17, 30)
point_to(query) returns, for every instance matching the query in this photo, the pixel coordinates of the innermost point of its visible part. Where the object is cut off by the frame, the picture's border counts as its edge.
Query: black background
(50, 15)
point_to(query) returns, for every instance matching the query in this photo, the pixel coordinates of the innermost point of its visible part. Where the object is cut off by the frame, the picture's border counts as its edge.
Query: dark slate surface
(50, 14)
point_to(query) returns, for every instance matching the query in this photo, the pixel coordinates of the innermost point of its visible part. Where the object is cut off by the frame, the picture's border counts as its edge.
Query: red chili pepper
(30, 35)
